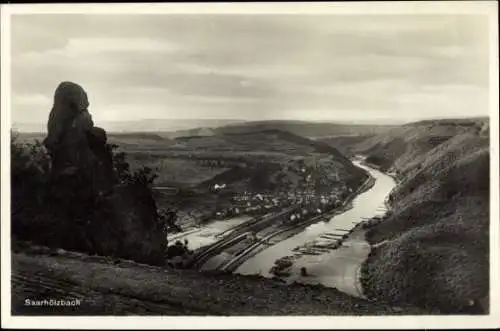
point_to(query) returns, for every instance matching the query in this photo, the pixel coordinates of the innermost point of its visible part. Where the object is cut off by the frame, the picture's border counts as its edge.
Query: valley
(244, 200)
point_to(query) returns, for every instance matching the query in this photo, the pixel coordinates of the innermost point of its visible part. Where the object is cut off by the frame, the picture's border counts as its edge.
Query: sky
(253, 67)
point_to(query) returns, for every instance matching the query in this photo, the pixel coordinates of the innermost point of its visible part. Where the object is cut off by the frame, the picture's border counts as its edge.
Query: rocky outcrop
(75, 145)
(87, 205)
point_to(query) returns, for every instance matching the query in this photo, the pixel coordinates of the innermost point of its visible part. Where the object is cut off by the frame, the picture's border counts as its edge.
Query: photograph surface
(247, 163)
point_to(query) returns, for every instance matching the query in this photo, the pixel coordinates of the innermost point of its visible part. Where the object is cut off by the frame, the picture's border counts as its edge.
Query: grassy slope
(120, 287)
(436, 252)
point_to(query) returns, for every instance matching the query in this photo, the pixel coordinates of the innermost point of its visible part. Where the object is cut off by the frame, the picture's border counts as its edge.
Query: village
(305, 195)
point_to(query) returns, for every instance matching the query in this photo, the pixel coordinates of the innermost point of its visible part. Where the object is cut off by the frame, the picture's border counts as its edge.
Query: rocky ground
(108, 286)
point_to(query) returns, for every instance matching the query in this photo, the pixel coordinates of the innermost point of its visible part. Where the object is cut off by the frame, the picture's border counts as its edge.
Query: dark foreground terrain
(108, 286)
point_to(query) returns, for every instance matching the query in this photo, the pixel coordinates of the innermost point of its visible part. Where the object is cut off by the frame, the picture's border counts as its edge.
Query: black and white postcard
(291, 165)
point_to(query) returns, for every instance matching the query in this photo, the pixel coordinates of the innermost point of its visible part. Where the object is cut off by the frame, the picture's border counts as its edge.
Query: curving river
(337, 268)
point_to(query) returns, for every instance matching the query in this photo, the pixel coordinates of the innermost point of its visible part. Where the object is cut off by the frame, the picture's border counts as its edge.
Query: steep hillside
(434, 246)
(399, 147)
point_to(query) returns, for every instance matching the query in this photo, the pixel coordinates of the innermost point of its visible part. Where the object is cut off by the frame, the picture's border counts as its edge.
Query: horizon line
(241, 121)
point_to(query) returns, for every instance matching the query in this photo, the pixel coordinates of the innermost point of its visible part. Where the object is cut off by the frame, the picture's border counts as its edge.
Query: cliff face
(434, 246)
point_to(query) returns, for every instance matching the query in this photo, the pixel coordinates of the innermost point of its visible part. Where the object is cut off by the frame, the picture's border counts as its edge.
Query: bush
(30, 167)
(67, 214)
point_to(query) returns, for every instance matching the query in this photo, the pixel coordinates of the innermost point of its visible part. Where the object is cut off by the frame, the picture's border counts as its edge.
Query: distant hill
(30, 127)
(137, 135)
(258, 141)
(195, 132)
(305, 129)
(144, 125)
(163, 125)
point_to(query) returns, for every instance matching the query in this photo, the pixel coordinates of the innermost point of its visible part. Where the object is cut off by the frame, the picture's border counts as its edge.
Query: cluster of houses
(304, 195)
(251, 203)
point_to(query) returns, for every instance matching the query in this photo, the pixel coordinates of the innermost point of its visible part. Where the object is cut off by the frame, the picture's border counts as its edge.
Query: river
(338, 268)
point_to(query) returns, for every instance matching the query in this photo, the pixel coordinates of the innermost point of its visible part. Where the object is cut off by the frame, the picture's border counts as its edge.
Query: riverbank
(232, 258)
(338, 267)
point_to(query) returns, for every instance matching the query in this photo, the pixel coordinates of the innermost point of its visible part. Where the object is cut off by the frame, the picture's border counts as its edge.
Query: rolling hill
(305, 129)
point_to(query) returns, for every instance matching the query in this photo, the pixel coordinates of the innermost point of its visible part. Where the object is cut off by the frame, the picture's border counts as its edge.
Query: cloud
(31, 99)
(79, 47)
(34, 107)
(254, 67)
(83, 46)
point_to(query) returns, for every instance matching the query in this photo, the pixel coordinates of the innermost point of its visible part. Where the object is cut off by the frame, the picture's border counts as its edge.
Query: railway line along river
(319, 248)
(337, 268)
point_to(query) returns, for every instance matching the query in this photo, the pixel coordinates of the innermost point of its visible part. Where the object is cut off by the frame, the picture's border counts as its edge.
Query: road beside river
(336, 268)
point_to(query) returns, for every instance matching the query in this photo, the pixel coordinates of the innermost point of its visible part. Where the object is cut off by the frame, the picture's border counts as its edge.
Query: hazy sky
(326, 67)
